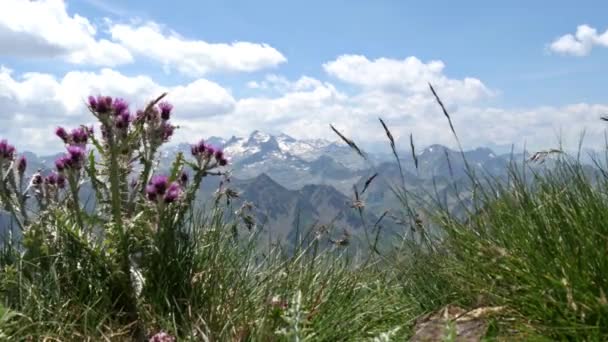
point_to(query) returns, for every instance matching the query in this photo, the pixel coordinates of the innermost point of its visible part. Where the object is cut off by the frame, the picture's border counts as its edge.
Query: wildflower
(210, 150)
(22, 165)
(198, 149)
(219, 154)
(173, 193)
(103, 105)
(62, 134)
(120, 107)
(92, 102)
(51, 179)
(60, 181)
(123, 120)
(160, 184)
(79, 136)
(162, 337)
(61, 163)
(165, 110)
(220, 158)
(151, 192)
(203, 151)
(167, 130)
(7, 151)
(73, 160)
(77, 155)
(159, 187)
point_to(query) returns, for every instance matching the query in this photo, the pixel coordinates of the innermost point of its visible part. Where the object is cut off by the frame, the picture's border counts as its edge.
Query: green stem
(22, 200)
(6, 198)
(115, 185)
(130, 302)
(191, 194)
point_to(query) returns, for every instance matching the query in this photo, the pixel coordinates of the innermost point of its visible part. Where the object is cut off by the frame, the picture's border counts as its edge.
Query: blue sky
(529, 87)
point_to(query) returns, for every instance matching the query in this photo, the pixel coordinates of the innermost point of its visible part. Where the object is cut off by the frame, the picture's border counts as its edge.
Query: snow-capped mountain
(281, 146)
(317, 177)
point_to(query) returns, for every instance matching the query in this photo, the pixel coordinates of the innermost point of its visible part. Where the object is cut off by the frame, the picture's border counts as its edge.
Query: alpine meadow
(277, 171)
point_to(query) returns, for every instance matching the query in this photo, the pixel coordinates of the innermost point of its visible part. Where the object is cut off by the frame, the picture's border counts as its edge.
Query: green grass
(535, 246)
(538, 248)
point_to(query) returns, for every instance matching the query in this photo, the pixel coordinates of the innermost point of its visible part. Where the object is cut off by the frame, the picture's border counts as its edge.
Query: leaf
(412, 147)
(368, 182)
(349, 142)
(176, 167)
(394, 149)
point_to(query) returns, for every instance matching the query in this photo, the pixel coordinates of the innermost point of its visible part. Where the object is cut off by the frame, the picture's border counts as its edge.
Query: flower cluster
(159, 189)
(46, 189)
(73, 160)
(7, 151)
(78, 137)
(114, 114)
(55, 179)
(156, 121)
(206, 153)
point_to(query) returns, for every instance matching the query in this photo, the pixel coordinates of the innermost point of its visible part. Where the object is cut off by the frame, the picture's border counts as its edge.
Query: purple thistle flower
(60, 181)
(7, 151)
(61, 163)
(210, 150)
(120, 107)
(219, 154)
(160, 184)
(22, 165)
(173, 192)
(51, 179)
(92, 102)
(104, 103)
(223, 162)
(165, 110)
(151, 192)
(194, 150)
(76, 156)
(167, 130)
(202, 147)
(123, 120)
(62, 134)
(80, 136)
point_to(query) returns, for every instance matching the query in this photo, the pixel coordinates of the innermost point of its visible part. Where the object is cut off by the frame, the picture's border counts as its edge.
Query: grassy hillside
(528, 262)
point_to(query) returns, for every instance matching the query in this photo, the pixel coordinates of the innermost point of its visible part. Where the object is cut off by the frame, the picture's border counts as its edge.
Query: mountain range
(299, 184)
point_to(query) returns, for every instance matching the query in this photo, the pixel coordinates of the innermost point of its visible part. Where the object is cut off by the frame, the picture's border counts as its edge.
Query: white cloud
(34, 103)
(407, 76)
(43, 28)
(581, 43)
(194, 57)
(307, 107)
